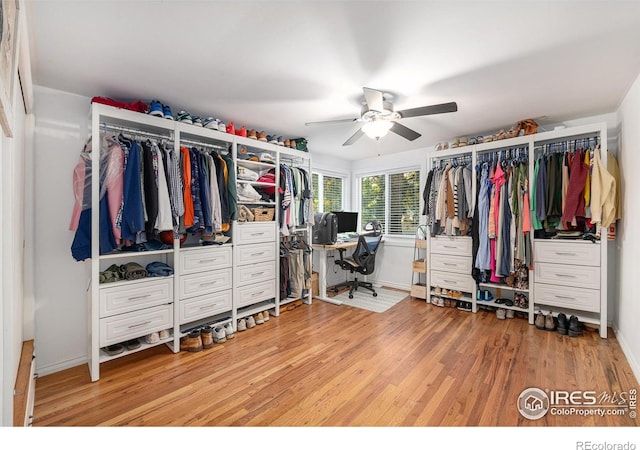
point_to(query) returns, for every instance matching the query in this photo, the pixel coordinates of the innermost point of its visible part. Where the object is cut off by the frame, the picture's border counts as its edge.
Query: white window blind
(332, 193)
(327, 192)
(372, 199)
(404, 202)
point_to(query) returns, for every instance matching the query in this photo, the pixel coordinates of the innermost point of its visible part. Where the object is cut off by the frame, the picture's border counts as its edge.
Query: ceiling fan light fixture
(377, 128)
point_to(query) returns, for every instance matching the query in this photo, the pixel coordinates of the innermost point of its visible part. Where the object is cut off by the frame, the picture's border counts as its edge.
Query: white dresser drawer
(249, 254)
(205, 282)
(135, 324)
(254, 293)
(134, 295)
(254, 273)
(567, 297)
(250, 233)
(587, 277)
(581, 253)
(194, 260)
(447, 263)
(205, 305)
(451, 245)
(453, 281)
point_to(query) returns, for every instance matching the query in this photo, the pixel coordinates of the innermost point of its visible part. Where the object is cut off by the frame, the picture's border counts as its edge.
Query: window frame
(387, 210)
(320, 193)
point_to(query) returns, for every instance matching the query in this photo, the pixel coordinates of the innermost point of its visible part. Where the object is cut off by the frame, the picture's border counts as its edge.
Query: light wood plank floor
(327, 365)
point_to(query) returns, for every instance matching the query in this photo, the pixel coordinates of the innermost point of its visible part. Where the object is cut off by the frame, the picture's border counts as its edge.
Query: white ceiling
(275, 65)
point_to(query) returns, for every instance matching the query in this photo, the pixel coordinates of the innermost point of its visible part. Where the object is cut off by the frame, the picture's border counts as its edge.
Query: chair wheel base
(350, 295)
(375, 294)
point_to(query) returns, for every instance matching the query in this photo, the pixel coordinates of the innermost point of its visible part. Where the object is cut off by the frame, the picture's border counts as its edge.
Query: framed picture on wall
(8, 61)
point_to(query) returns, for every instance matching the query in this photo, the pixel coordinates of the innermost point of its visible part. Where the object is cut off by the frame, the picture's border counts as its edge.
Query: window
(327, 193)
(393, 199)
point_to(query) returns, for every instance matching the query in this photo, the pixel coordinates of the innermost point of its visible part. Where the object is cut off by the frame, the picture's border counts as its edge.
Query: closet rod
(204, 144)
(134, 132)
(292, 160)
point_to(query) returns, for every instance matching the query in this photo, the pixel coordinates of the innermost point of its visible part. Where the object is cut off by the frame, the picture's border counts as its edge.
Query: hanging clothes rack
(136, 133)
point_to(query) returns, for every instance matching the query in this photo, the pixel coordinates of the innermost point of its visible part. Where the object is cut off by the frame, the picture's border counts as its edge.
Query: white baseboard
(635, 367)
(381, 283)
(57, 367)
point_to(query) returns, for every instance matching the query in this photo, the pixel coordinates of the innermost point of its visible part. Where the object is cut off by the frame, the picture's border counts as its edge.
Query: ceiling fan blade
(429, 110)
(333, 121)
(374, 99)
(357, 135)
(405, 132)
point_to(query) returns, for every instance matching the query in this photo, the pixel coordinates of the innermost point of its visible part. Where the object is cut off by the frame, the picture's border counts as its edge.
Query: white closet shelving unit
(211, 284)
(568, 276)
(295, 158)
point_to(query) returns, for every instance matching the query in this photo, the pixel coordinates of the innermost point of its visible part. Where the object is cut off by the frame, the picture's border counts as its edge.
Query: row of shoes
(250, 322)
(158, 109)
(571, 327)
(451, 303)
(133, 344)
(502, 313)
(204, 337)
(451, 293)
(522, 128)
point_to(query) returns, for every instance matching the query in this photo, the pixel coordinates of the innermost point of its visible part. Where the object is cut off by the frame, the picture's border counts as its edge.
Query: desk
(322, 270)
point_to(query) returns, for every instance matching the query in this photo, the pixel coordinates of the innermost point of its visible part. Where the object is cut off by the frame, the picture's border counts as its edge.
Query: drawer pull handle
(208, 306)
(449, 281)
(203, 261)
(565, 297)
(258, 273)
(257, 234)
(565, 275)
(209, 283)
(257, 254)
(140, 324)
(450, 264)
(449, 246)
(140, 297)
(255, 294)
(566, 254)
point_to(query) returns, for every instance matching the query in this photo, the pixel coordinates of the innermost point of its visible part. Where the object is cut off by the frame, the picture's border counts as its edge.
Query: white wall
(61, 130)
(12, 255)
(395, 257)
(628, 240)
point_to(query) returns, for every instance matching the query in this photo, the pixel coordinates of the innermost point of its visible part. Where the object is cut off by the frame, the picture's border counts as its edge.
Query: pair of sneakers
(185, 117)
(251, 321)
(214, 124)
(158, 109)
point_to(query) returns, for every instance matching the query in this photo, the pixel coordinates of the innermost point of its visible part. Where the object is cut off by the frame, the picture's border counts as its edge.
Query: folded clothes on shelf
(112, 274)
(159, 269)
(134, 271)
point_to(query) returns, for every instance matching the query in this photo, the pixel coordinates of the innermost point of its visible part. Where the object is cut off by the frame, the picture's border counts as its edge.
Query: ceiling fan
(379, 117)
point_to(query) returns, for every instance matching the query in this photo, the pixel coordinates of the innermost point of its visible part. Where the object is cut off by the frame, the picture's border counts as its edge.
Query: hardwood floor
(327, 365)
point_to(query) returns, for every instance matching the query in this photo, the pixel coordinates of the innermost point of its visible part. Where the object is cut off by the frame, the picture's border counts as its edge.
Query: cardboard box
(419, 291)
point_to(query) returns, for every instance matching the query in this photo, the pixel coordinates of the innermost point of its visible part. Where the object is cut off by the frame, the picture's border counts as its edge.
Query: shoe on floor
(540, 321)
(501, 314)
(228, 331)
(219, 336)
(510, 313)
(251, 322)
(265, 315)
(575, 328)
(242, 325)
(132, 344)
(550, 323)
(192, 342)
(259, 319)
(207, 336)
(114, 349)
(562, 324)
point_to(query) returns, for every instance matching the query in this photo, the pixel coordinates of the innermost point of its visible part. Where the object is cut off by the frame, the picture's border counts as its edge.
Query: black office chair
(363, 259)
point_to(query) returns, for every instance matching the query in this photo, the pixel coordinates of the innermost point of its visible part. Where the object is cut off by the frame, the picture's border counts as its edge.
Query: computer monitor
(347, 221)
